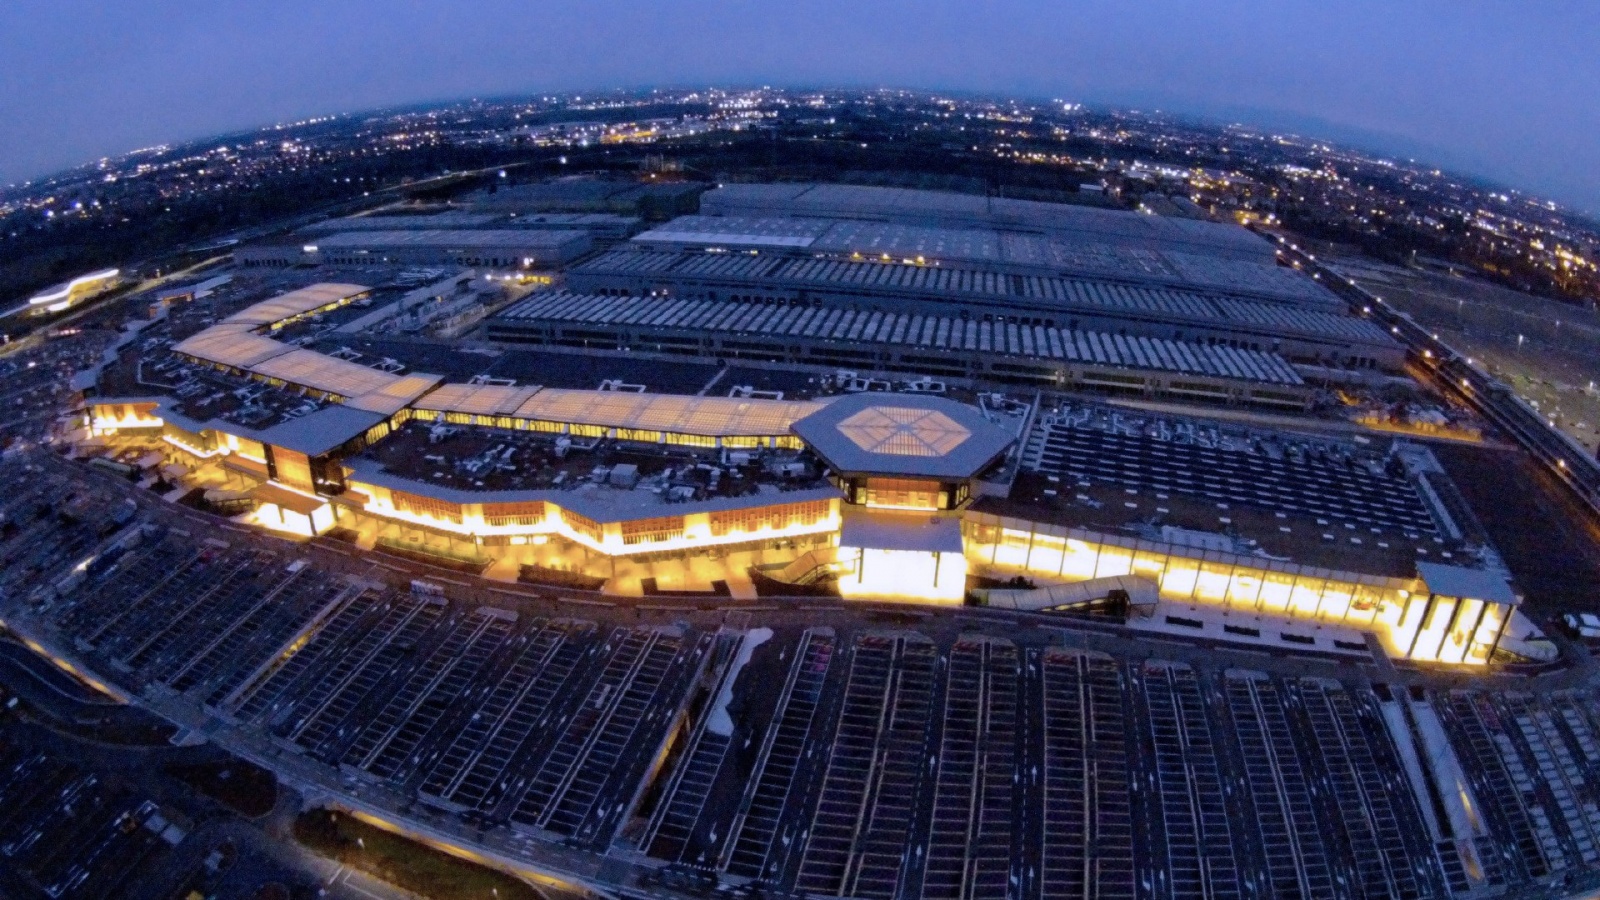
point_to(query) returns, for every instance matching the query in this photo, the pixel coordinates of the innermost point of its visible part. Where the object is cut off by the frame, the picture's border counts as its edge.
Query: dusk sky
(1507, 90)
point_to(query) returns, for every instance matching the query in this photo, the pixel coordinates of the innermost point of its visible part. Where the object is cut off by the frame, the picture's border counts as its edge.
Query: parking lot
(194, 616)
(65, 832)
(843, 756)
(1532, 762)
(1280, 473)
(37, 381)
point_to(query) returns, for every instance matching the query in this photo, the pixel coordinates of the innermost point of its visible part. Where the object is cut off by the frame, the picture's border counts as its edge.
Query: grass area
(1532, 523)
(247, 789)
(1545, 350)
(404, 863)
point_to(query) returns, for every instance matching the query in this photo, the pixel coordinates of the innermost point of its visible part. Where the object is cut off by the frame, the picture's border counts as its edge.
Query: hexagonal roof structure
(903, 434)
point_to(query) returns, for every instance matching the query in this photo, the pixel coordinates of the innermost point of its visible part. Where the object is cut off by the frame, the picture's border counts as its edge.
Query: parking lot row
(852, 760)
(65, 832)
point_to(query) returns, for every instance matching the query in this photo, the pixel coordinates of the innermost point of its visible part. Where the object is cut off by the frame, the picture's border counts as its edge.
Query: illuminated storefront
(901, 555)
(1411, 619)
(502, 518)
(906, 466)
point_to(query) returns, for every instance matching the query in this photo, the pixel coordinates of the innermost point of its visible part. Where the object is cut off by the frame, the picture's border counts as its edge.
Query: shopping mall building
(880, 494)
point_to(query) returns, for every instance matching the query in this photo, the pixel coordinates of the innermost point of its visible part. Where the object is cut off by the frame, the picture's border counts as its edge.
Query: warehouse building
(981, 294)
(654, 200)
(497, 248)
(943, 209)
(881, 250)
(1007, 252)
(603, 226)
(945, 346)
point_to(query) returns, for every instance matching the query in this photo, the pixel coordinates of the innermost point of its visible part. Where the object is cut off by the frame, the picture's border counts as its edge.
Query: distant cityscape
(1397, 209)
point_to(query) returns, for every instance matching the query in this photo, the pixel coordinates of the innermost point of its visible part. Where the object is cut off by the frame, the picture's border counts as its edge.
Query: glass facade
(1409, 622)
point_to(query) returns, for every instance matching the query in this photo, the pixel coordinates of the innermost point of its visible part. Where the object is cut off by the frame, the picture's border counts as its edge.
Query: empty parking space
(277, 681)
(1310, 483)
(692, 774)
(970, 845)
(1280, 792)
(936, 760)
(68, 833)
(435, 683)
(1383, 833)
(1535, 759)
(761, 833)
(320, 719)
(574, 789)
(196, 620)
(1191, 840)
(474, 771)
(1524, 839)
(861, 834)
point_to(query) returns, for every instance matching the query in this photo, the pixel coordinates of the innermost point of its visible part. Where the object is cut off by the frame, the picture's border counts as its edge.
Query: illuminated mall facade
(894, 521)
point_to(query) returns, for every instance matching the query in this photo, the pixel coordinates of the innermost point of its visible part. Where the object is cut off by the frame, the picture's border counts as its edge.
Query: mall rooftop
(906, 435)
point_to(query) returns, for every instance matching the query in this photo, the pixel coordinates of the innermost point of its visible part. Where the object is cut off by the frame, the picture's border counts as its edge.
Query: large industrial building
(603, 226)
(502, 248)
(941, 345)
(654, 200)
(963, 287)
(1079, 224)
(983, 262)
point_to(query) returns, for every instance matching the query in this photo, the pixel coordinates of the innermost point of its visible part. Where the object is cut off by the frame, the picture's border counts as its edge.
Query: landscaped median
(402, 862)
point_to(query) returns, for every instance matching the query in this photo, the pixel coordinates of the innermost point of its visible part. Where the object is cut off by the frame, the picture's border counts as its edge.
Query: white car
(1584, 625)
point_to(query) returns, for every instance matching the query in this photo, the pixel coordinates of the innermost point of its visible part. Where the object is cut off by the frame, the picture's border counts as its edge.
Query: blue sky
(1508, 90)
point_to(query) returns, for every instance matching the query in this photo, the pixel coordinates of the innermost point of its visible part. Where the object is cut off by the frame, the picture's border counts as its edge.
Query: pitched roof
(297, 302)
(236, 346)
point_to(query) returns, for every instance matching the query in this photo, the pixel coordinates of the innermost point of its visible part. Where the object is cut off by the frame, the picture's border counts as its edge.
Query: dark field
(1545, 540)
